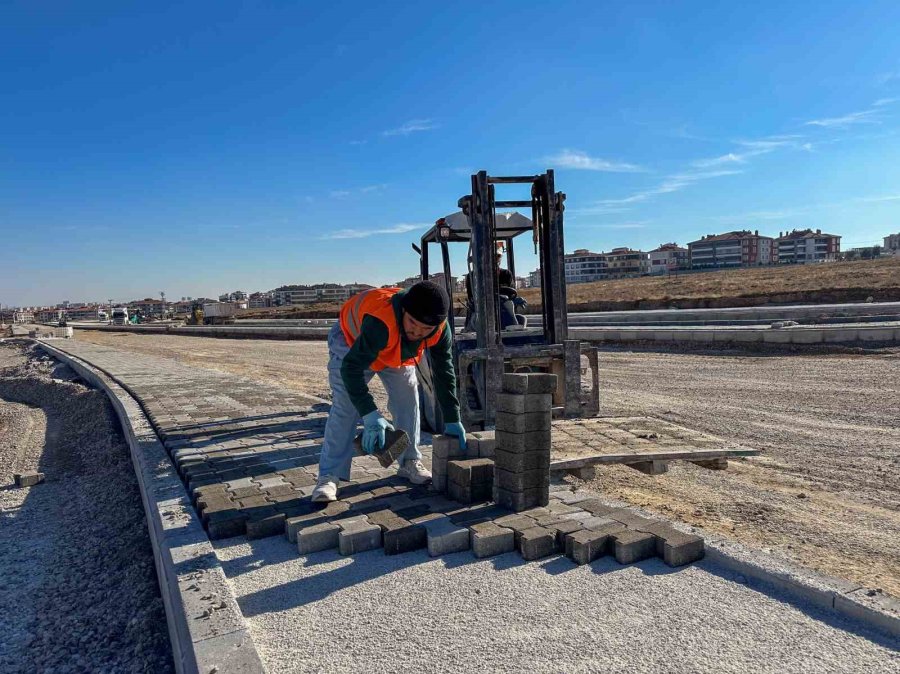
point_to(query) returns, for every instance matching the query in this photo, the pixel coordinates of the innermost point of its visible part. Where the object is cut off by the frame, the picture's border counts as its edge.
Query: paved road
(409, 613)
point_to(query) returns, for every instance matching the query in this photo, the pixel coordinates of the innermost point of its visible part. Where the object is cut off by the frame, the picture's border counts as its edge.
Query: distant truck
(220, 313)
(120, 316)
(102, 316)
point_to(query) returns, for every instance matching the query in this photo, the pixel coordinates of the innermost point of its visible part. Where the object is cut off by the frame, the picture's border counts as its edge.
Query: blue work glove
(374, 426)
(456, 428)
(520, 301)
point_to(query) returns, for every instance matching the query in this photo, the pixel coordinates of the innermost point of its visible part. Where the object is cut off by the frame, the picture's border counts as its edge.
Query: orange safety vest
(377, 303)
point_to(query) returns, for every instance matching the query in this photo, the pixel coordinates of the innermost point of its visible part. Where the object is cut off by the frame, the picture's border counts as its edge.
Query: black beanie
(426, 302)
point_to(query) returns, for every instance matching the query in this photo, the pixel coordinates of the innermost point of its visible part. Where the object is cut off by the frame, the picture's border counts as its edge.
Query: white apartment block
(583, 266)
(806, 246)
(669, 257)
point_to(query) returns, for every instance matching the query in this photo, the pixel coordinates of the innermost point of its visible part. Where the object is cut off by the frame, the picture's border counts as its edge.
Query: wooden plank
(650, 467)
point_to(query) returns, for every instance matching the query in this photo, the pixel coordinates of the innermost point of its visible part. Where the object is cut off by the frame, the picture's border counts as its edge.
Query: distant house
(741, 248)
(260, 300)
(669, 257)
(805, 246)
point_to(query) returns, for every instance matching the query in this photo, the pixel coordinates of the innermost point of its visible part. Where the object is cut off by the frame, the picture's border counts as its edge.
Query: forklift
(492, 342)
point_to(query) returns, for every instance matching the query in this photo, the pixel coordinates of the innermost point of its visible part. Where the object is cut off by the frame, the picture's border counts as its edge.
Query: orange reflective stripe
(355, 325)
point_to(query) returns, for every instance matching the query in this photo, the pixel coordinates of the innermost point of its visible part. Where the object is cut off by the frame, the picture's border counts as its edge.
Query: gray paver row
(583, 530)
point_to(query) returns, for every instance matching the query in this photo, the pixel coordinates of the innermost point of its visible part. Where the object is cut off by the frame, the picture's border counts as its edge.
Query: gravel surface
(79, 590)
(825, 494)
(410, 613)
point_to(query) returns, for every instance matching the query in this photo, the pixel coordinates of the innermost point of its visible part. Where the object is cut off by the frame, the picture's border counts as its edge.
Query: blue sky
(200, 147)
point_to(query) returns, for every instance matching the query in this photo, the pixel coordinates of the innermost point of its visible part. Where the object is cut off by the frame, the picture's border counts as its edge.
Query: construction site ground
(825, 493)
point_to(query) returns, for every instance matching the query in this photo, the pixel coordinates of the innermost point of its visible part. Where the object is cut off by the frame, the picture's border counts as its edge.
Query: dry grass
(835, 282)
(818, 283)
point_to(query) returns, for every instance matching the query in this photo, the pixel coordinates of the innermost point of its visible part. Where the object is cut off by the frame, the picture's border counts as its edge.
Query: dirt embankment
(79, 590)
(832, 283)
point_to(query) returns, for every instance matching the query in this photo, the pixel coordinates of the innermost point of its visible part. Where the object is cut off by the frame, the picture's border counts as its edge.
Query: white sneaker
(414, 471)
(326, 489)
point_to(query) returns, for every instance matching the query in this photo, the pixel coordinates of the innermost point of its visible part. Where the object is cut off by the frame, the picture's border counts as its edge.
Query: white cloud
(861, 117)
(411, 126)
(730, 158)
(673, 183)
(358, 142)
(885, 101)
(401, 228)
(373, 188)
(576, 159)
(339, 194)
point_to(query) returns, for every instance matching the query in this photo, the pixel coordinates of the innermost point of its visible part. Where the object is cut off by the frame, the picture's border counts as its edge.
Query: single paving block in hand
(395, 443)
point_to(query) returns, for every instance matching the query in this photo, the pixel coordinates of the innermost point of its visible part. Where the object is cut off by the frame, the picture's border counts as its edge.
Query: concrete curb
(849, 600)
(206, 627)
(711, 335)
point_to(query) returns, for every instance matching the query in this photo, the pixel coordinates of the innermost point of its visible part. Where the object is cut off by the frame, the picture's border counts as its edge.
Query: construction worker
(385, 331)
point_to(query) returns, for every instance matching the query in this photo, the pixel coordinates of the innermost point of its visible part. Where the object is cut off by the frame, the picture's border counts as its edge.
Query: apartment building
(624, 262)
(583, 266)
(805, 246)
(147, 306)
(892, 243)
(287, 295)
(260, 300)
(741, 248)
(669, 257)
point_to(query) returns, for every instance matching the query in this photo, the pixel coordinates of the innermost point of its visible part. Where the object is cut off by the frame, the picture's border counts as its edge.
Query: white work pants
(402, 387)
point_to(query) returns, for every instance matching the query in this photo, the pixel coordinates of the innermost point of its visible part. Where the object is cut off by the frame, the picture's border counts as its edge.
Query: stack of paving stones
(470, 480)
(522, 454)
(248, 454)
(445, 448)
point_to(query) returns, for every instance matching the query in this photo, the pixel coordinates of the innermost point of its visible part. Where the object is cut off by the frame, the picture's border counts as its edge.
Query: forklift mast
(482, 358)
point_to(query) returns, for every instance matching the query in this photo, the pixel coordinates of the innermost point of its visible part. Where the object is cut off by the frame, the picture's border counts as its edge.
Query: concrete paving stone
(518, 462)
(521, 404)
(358, 536)
(238, 481)
(477, 513)
(630, 519)
(596, 507)
(470, 471)
(226, 524)
(253, 502)
(537, 542)
(386, 490)
(280, 490)
(518, 501)
(445, 537)
(447, 447)
(584, 546)
(568, 497)
(382, 518)
(401, 536)
(563, 529)
(488, 539)
(409, 512)
(529, 383)
(529, 422)
(302, 480)
(262, 527)
(353, 499)
(427, 517)
(317, 538)
(520, 481)
(631, 546)
(535, 441)
(597, 523)
(580, 516)
(558, 508)
(215, 501)
(678, 548)
(476, 493)
(246, 492)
